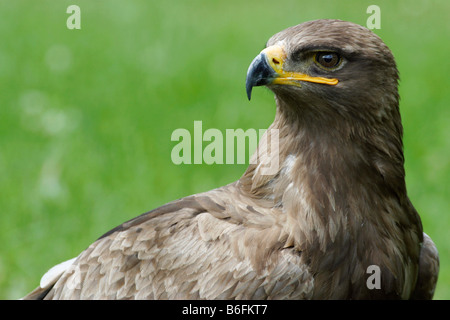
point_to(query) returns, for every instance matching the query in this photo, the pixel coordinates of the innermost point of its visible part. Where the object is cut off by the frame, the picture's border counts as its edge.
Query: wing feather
(202, 246)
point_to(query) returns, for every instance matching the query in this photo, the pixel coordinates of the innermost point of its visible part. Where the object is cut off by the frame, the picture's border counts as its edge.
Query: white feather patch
(51, 275)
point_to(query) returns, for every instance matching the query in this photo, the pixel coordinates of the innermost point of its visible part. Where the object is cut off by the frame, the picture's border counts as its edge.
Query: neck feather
(333, 171)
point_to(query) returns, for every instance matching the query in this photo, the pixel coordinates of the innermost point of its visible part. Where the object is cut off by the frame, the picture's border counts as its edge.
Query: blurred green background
(86, 115)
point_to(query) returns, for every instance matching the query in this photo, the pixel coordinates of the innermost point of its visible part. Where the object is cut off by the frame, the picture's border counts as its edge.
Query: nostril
(275, 60)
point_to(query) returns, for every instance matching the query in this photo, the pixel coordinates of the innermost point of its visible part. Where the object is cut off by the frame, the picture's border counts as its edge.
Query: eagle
(332, 221)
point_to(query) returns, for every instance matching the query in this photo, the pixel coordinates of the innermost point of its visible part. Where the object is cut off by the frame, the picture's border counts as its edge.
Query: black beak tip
(259, 74)
(249, 87)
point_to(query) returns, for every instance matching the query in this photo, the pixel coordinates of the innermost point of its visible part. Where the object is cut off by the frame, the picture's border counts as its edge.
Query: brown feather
(336, 205)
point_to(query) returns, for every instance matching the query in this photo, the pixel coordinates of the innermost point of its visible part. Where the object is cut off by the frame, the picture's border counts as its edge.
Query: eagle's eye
(328, 60)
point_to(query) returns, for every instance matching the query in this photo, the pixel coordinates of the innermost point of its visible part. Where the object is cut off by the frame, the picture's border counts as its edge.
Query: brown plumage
(336, 204)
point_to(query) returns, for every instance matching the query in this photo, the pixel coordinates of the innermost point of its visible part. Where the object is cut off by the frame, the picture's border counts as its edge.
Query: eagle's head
(331, 69)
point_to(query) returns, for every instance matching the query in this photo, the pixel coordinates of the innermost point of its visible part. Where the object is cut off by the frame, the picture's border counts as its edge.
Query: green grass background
(86, 115)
